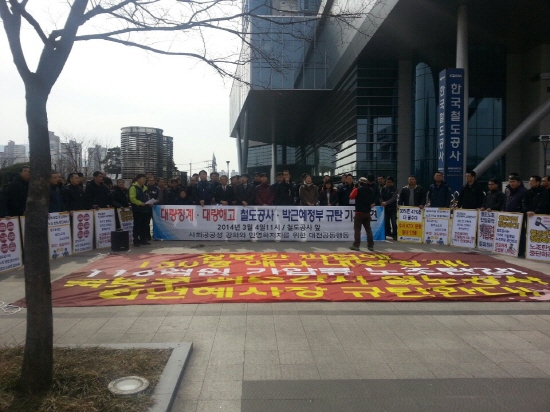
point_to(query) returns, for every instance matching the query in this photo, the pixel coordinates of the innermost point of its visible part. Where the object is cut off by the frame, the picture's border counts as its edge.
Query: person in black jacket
(345, 190)
(173, 192)
(439, 193)
(375, 188)
(471, 195)
(120, 195)
(97, 194)
(327, 195)
(285, 191)
(183, 199)
(412, 194)
(536, 201)
(73, 195)
(364, 200)
(56, 204)
(16, 193)
(244, 192)
(495, 198)
(203, 192)
(223, 193)
(514, 194)
(388, 199)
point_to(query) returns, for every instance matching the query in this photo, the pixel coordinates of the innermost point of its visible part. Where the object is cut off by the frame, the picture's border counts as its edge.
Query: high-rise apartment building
(146, 150)
(13, 153)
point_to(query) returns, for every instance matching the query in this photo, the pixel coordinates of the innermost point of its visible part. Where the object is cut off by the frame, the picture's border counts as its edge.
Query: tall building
(95, 157)
(55, 148)
(70, 158)
(13, 153)
(144, 150)
(369, 90)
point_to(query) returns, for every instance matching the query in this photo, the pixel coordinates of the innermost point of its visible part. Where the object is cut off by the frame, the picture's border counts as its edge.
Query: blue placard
(451, 112)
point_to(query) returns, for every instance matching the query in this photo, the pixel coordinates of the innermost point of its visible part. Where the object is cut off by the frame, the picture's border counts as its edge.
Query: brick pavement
(333, 356)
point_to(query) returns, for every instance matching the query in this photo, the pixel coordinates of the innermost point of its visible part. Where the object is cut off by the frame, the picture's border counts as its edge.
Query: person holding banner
(536, 201)
(73, 194)
(364, 201)
(439, 193)
(471, 195)
(514, 194)
(412, 194)
(140, 209)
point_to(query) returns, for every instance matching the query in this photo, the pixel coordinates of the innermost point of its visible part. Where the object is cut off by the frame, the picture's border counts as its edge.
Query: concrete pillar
(245, 143)
(404, 122)
(239, 152)
(273, 174)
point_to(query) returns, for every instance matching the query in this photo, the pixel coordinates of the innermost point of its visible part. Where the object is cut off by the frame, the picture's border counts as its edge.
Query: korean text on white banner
(538, 238)
(83, 230)
(104, 224)
(486, 226)
(59, 235)
(255, 223)
(463, 232)
(507, 233)
(126, 219)
(376, 224)
(409, 224)
(10, 244)
(436, 225)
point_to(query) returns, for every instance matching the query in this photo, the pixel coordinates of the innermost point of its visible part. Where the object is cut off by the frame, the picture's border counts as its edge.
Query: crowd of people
(100, 192)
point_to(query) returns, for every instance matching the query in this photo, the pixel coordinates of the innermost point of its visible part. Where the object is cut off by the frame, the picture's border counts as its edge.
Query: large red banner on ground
(274, 277)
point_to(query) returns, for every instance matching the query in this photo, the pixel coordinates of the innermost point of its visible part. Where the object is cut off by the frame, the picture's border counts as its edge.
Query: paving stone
(262, 372)
(261, 357)
(337, 371)
(217, 373)
(219, 405)
(226, 390)
(299, 372)
(522, 370)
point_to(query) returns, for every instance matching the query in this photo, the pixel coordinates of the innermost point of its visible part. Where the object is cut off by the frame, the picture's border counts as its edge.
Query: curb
(170, 378)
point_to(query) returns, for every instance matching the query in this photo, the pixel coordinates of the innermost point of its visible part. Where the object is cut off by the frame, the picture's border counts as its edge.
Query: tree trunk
(37, 371)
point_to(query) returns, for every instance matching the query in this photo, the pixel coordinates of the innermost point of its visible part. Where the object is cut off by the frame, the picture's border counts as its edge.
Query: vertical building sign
(450, 127)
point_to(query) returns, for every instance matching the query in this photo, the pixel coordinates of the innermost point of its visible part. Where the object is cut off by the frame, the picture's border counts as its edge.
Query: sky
(105, 87)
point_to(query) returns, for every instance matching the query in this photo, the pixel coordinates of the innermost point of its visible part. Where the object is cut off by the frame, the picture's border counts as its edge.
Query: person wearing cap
(244, 192)
(309, 193)
(344, 191)
(364, 201)
(264, 194)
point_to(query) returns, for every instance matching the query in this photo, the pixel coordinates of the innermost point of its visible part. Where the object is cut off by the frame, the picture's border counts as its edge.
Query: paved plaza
(325, 356)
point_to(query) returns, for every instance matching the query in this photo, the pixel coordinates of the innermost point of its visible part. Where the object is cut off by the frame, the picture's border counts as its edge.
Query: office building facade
(369, 90)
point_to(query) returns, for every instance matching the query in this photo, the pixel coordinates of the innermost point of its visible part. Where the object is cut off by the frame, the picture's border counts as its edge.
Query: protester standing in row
(388, 199)
(364, 201)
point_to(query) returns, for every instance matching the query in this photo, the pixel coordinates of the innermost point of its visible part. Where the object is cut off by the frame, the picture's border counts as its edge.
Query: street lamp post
(228, 174)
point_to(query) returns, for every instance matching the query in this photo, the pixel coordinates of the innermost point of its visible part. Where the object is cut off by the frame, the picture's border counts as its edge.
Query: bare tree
(159, 26)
